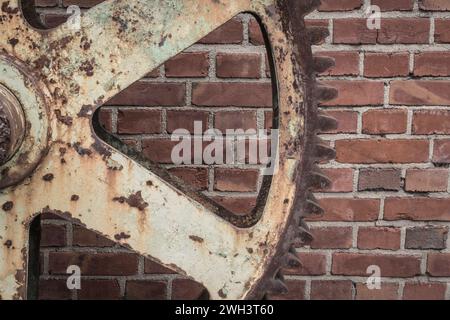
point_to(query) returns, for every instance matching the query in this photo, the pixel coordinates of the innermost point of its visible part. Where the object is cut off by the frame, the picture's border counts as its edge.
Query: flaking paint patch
(9, 287)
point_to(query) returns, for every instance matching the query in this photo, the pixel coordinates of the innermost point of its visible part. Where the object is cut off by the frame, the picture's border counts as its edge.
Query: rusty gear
(62, 76)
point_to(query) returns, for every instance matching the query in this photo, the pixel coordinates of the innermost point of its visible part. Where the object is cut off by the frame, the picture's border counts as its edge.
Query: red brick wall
(388, 204)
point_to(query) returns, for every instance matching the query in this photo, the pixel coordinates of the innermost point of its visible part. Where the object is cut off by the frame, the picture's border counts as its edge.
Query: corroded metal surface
(66, 74)
(12, 124)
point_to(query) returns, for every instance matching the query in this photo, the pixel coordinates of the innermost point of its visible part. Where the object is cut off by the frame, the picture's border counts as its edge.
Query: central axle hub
(12, 124)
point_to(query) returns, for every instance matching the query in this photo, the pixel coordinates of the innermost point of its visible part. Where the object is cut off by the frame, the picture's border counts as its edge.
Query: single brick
(83, 237)
(337, 209)
(428, 237)
(54, 290)
(394, 5)
(46, 3)
(105, 119)
(268, 120)
(231, 32)
(438, 264)
(236, 180)
(368, 93)
(332, 237)
(436, 64)
(442, 31)
(426, 180)
(356, 264)
(353, 31)
(313, 264)
(138, 121)
(341, 180)
(331, 289)
(441, 151)
(370, 238)
(343, 5)
(238, 65)
(296, 291)
(255, 33)
(237, 205)
(347, 63)
(188, 65)
(232, 94)
(417, 209)
(53, 235)
(186, 289)
(197, 178)
(159, 150)
(146, 290)
(151, 267)
(382, 151)
(379, 65)
(53, 20)
(424, 291)
(99, 290)
(434, 5)
(149, 94)
(420, 92)
(225, 120)
(347, 121)
(82, 3)
(431, 122)
(404, 31)
(388, 291)
(379, 179)
(384, 121)
(94, 264)
(185, 119)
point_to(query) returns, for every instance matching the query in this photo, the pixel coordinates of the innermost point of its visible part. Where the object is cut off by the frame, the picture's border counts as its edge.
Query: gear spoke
(17, 38)
(119, 42)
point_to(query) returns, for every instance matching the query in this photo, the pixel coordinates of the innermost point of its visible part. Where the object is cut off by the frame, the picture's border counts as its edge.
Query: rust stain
(7, 206)
(196, 239)
(134, 200)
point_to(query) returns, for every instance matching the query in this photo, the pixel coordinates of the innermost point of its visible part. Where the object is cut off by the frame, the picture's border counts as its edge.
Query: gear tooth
(327, 123)
(312, 206)
(292, 260)
(277, 287)
(305, 236)
(319, 181)
(322, 64)
(323, 151)
(317, 34)
(325, 93)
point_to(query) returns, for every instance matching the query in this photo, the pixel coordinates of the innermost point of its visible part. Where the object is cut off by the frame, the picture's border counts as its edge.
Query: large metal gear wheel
(52, 160)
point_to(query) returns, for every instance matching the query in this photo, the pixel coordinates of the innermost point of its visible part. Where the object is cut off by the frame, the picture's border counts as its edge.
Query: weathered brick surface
(394, 5)
(388, 291)
(424, 291)
(380, 65)
(356, 264)
(428, 237)
(387, 204)
(426, 180)
(331, 290)
(384, 121)
(379, 238)
(379, 179)
(332, 238)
